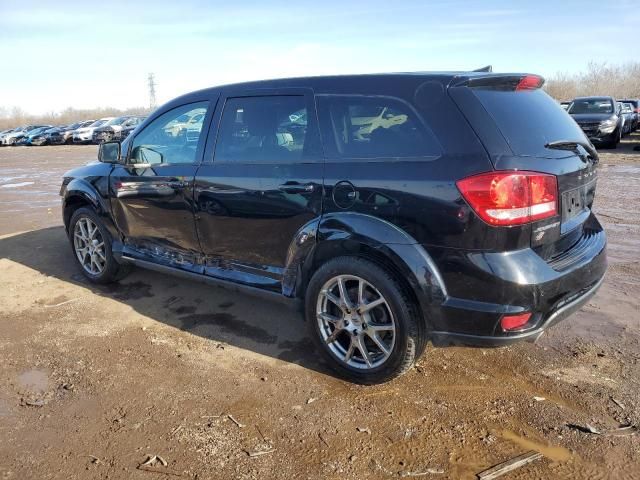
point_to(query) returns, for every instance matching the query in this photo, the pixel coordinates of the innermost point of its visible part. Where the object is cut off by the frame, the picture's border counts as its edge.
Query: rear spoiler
(497, 81)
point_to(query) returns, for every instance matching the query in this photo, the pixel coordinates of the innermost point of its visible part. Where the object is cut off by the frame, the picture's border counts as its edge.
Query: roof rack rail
(488, 68)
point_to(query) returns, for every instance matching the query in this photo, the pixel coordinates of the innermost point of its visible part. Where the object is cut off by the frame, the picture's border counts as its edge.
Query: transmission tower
(152, 92)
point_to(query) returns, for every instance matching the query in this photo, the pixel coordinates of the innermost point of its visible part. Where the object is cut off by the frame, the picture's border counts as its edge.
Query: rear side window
(528, 120)
(269, 129)
(374, 127)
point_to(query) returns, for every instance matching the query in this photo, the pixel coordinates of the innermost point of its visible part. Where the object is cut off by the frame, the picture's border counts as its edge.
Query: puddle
(16, 185)
(35, 381)
(552, 452)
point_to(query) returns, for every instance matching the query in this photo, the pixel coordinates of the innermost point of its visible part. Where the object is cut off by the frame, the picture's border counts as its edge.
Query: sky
(59, 54)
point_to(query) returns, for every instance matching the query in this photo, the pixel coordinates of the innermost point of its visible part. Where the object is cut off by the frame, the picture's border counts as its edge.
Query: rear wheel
(91, 245)
(362, 321)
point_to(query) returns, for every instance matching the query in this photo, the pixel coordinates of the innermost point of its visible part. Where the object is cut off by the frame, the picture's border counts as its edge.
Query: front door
(262, 184)
(152, 193)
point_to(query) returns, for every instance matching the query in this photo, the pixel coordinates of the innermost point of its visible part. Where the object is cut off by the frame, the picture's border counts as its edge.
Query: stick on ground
(509, 465)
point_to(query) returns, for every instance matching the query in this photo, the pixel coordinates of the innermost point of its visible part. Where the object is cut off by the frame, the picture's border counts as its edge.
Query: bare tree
(14, 117)
(619, 81)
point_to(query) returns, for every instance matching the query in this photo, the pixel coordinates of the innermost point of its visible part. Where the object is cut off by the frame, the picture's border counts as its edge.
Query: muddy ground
(93, 380)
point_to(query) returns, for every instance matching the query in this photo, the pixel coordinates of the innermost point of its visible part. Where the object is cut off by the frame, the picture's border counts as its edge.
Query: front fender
(80, 191)
(350, 233)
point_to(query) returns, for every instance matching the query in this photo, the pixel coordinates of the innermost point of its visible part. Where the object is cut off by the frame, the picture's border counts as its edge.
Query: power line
(152, 92)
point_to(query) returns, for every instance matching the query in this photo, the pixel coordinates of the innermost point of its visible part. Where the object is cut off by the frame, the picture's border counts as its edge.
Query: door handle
(297, 188)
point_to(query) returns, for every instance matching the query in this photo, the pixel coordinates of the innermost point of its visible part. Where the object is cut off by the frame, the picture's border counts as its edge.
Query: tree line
(15, 117)
(618, 81)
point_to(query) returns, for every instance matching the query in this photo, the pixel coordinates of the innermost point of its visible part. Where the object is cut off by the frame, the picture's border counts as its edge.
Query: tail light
(514, 322)
(529, 82)
(511, 198)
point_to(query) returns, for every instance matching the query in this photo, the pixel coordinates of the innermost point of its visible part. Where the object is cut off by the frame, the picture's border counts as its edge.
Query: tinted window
(529, 120)
(375, 127)
(269, 129)
(170, 138)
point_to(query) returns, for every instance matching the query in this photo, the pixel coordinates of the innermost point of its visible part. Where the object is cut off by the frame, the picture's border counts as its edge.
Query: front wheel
(91, 245)
(363, 321)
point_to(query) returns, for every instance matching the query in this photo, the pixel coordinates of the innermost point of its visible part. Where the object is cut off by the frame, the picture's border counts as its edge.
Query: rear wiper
(572, 145)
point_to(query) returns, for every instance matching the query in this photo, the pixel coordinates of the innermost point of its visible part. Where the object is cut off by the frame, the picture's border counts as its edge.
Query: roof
(335, 83)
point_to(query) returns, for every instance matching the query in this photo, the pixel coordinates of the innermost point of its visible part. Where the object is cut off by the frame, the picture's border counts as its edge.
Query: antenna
(152, 92)
(487, 69)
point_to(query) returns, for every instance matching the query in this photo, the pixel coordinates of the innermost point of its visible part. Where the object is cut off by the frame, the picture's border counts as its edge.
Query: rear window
(529, 119)
(370, 127)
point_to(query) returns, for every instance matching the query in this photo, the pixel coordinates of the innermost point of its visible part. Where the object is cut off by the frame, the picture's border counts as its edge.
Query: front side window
(170, 138)
(269, 129)
(375, 127)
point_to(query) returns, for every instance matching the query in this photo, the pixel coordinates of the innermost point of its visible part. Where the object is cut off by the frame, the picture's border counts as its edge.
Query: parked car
(626, 111)
(599, 118)
(4, 133)
(16, 136)
(565, 105)
(51, 136)
(181, 125)
(28, 137)
(629, 110)
(67, 133)
(635, 103)
(126, 131)
(112, 130)
(469, 221)
(85, 134)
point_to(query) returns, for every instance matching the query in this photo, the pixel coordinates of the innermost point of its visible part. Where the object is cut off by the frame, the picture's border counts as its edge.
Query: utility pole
(152, 92)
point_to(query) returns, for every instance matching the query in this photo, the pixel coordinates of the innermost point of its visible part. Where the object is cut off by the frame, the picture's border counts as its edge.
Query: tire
(393, 321)
(86, 230)
(613, 144)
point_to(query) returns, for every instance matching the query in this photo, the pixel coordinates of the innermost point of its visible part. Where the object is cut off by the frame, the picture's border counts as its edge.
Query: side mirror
(109, 152)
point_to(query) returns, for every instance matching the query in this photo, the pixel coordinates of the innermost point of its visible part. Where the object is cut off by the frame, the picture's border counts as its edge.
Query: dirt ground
(93, 380)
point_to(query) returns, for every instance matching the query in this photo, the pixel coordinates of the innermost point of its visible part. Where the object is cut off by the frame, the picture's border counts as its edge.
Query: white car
(85, 134)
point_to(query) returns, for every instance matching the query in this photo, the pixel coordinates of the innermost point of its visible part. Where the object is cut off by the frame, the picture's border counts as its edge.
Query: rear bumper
(482, 287)
(562, 312)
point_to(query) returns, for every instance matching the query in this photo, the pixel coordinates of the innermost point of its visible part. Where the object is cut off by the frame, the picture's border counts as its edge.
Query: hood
(591, 117)
(90, 169)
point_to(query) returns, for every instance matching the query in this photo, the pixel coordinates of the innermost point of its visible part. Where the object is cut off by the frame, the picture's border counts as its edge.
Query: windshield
(117, 121)
(591, 105)
(99, 123)
(528, 120)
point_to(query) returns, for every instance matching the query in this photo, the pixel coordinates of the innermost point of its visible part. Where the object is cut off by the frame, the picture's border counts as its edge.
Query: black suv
(401, 208)
(600, 118)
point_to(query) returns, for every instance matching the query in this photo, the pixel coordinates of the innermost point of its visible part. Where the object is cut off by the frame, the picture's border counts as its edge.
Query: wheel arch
(79, 193)
(364, 236)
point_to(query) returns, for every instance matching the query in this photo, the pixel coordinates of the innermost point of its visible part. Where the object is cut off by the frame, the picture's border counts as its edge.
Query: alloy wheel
(89, 246)
(356, 322)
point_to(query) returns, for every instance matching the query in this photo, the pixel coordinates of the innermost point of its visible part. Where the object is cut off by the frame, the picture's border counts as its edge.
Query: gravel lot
(93, 380)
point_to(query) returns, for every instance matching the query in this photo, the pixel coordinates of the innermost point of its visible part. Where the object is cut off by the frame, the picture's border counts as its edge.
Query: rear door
(152, 193)
(517, 125)
(259, 184)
